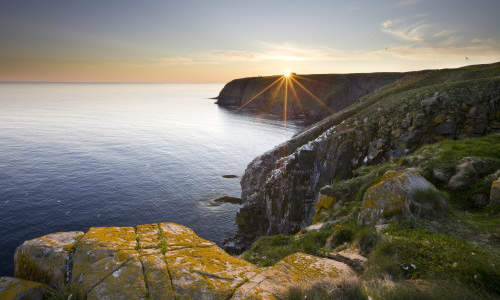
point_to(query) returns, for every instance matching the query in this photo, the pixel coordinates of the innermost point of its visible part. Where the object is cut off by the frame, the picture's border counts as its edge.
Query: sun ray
(312, 95)
(259, 93)
(285, 107)
(304, 78)
(294, 92)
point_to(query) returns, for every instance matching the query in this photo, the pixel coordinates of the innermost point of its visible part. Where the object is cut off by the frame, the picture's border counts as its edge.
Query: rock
(113, 279)
(468, 170)
(351, 257)
(113, 243)
(169, 261)
(294, 270)
(229, 176)
(396, 194)
(479, 200)
(18, 289)
(441, 175)
(45, 259)
(228, 199)
(325, 202)
(495, 192)
(207, 272)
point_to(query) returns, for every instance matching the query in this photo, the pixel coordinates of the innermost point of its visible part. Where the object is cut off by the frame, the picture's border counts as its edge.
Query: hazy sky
(215, 41)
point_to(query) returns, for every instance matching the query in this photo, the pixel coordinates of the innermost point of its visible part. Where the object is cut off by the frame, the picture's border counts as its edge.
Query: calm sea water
(79, 155)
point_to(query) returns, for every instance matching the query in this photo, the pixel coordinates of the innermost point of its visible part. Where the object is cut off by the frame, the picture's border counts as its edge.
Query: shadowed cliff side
(336, 91)
(280, 188)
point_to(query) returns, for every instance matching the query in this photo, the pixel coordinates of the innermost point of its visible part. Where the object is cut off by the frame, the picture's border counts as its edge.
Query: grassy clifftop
(425, 258)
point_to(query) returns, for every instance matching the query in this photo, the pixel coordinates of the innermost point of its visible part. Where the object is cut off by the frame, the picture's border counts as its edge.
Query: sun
(287, 73)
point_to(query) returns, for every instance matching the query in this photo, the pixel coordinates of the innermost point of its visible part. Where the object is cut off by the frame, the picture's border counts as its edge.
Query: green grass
(411, 252)
(268, 250)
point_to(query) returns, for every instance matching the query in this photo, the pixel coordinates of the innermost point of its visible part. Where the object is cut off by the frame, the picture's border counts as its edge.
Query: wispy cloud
(407, 2)
(414, 32)
(446, 50)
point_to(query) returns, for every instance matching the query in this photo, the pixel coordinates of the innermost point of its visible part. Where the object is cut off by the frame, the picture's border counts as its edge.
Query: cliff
(335, 91)
(281, 187)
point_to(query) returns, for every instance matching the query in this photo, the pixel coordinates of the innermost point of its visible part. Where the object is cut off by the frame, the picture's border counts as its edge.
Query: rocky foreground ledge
(155, 261)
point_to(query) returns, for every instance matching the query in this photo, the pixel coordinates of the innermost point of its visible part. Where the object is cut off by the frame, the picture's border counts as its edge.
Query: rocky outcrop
(401, 193)
(280, 187)
(156, 261)
(336, 91)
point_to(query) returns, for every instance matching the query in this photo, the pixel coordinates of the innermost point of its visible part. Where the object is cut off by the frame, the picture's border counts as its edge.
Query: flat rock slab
(18, 289)
(45, 259)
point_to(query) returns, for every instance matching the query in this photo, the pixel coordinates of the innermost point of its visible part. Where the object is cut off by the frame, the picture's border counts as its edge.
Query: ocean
(74, 156)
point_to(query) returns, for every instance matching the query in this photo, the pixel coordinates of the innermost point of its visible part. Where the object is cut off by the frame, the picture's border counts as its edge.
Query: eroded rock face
(19, 289)
(169, 261)
(45, 259)
(395, 194)
(281, 187)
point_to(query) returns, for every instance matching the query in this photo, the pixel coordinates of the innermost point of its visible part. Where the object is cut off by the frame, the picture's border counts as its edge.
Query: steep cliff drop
(280, 188)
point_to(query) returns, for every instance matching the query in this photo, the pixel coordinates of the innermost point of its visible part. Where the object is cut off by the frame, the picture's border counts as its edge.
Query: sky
(216, 41)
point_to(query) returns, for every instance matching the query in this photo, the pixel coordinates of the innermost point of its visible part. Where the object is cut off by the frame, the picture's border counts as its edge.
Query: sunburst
(288, 79)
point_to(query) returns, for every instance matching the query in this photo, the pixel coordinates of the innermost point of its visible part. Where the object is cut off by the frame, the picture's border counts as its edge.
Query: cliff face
(280, 188)
(336, 91)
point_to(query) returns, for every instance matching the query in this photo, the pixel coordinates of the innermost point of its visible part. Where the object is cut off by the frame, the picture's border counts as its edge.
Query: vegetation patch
(420, 290)
(268, 250)
(344, 290)
(409, 251)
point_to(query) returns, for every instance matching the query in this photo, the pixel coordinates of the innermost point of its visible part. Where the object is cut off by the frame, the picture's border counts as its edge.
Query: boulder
(405, 193)
(18, 289)
(45, 259)
(468, 170)
(495, 192)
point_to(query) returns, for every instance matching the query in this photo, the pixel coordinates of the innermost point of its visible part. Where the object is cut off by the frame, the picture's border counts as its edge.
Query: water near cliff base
(79, 155)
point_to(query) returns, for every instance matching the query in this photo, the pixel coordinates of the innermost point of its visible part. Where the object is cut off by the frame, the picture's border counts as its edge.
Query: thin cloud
(409, 32)
(407, 2)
